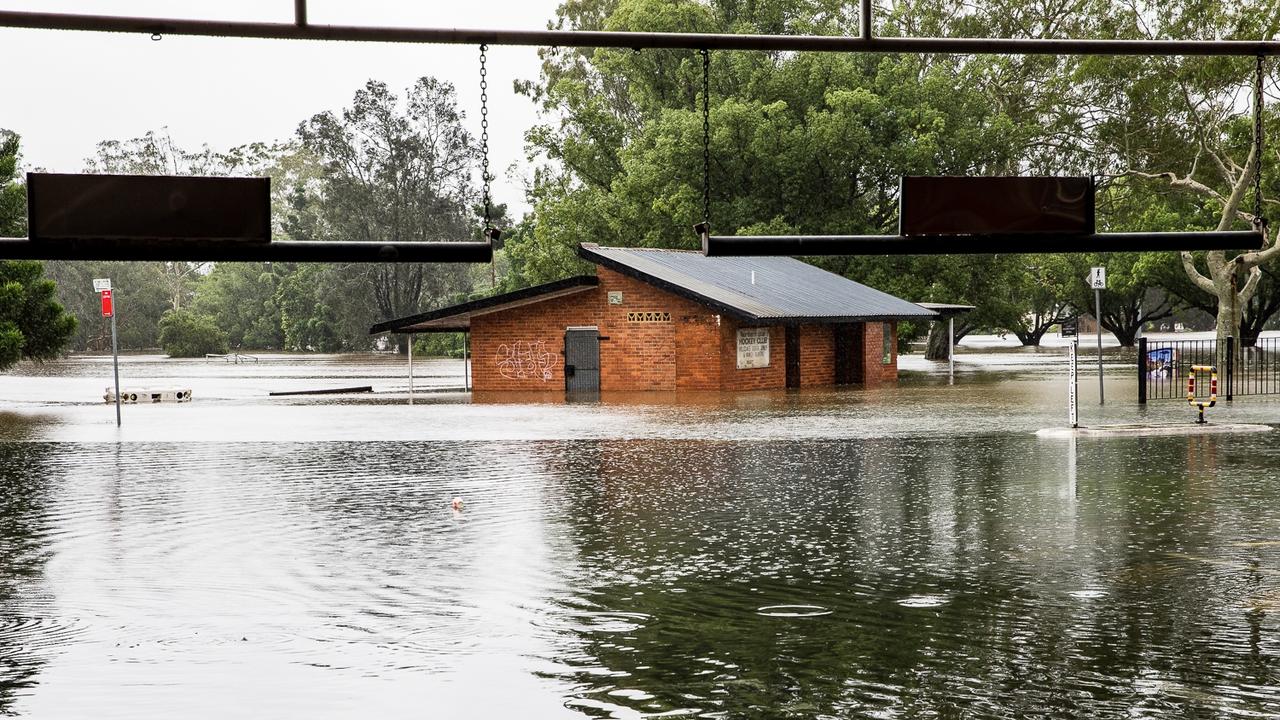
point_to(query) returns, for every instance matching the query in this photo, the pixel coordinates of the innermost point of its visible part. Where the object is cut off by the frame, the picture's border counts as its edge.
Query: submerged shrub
(187, 334)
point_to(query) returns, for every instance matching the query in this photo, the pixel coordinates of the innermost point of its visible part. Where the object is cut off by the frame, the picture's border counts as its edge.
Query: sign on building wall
(753, 348)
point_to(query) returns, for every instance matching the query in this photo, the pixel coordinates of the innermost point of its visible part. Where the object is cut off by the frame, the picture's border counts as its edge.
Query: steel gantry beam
(814, 245)
(303, 29)
(222, 251)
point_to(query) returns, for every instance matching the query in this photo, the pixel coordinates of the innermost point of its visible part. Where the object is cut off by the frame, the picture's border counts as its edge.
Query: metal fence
(1163, 366)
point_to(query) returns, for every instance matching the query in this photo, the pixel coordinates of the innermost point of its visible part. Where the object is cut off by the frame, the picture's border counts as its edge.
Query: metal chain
(706, 137)
(484, 136)
(1258, 219)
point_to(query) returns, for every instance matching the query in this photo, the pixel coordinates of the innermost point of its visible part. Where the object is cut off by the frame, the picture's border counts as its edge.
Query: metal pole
(1142, 371)
(300, 12)
(1073, 390)
(951, 351)
(1230, 362)
(634, 40)
(115, 355)
(466, 363)
(1097, 296)
(410, 338)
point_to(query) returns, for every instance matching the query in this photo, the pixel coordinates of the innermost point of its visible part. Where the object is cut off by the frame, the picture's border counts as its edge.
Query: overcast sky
(66, 91)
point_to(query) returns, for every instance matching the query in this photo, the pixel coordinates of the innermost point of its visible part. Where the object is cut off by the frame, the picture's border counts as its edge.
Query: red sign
(107, 310)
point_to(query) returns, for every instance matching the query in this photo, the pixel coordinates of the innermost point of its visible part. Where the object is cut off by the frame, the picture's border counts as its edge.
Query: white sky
(66, 91)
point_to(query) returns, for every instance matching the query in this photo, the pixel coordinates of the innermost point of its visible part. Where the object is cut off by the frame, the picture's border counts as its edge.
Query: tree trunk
(936, 347)
(1228, 317)
(1031, 338)
(1125, 333)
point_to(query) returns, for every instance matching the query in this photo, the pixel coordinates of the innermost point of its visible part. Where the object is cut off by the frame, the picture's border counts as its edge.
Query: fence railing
(1163, 366)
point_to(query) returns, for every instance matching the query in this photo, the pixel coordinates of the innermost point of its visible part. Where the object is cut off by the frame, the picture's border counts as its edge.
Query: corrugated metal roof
(457, 318)
(777, 289)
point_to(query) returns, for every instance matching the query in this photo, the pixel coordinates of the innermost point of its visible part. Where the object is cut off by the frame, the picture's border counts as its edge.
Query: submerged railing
(1163, 366)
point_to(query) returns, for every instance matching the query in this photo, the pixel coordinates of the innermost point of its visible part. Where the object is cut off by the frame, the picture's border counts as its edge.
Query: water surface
(908, 552)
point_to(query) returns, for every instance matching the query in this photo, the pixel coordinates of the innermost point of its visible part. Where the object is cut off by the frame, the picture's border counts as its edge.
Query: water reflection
(982, 576)
(959, 578)
(29, 625)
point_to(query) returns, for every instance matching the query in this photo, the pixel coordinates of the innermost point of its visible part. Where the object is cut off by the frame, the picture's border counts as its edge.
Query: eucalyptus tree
(1181, 125)
(394, 171)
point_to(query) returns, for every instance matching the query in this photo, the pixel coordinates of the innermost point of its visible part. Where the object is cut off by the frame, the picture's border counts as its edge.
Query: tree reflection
(960, 579)
(24, 477)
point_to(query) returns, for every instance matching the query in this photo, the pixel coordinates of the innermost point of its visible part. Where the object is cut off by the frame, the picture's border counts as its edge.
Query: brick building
(675, 320)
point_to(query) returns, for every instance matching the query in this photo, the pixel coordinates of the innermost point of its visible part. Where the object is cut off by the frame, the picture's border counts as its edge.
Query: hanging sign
(1098, 278)
(107, 309)
(753, 348)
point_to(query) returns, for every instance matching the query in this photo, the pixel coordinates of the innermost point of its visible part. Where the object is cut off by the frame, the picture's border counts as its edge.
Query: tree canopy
(33, 325)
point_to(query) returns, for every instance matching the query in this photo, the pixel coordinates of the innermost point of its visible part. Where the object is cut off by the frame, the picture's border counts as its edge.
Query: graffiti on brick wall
(526, 360)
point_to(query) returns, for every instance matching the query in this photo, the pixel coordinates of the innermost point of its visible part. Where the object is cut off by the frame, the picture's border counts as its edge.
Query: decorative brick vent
(649, 317)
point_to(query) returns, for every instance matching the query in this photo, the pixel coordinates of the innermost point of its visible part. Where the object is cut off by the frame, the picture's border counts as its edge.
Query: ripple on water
(602, 621)
(793, 611)
(924, 601)
(23, 635)
(1088, 594)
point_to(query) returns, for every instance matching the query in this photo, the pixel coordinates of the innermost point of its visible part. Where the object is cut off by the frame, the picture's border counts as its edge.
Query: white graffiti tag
(526, 360)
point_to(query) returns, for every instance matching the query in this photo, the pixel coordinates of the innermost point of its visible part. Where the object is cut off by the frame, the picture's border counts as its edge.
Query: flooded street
(908, 552)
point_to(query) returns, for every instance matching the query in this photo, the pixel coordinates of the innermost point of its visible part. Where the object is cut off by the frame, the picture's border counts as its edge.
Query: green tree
(395, 172)
(13, 198)
(33, 325)
(242, 296)
(1174, 125)
(141, 295)
(800, 143)
(184, 333)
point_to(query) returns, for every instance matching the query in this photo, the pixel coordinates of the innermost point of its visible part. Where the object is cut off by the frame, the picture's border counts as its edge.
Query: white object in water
(149, 395)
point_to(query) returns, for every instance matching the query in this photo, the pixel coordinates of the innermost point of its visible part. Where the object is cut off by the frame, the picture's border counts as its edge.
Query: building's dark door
(793, 356)
(850, 355)
(582, 360)
(850, 352)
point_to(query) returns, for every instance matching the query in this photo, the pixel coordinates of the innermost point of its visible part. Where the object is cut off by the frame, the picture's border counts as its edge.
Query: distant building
(676, 320)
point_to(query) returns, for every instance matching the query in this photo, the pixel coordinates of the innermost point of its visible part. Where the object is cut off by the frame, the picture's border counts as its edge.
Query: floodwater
(909, 552)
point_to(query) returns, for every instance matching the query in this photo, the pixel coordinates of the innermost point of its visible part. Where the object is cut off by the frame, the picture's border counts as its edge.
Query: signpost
(1073, 403)
(1071, 328)
(1098, 281)
(102, 286)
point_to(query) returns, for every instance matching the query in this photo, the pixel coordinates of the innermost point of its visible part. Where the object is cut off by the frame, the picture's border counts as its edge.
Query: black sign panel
(996, 205)
(1070, 327)
(131, 207)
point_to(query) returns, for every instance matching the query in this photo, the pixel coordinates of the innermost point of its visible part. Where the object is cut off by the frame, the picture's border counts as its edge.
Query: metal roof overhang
(458, 317)
(947, 310)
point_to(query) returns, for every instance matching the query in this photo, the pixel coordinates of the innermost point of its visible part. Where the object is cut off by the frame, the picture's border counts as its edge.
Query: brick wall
(817, 355)
(522, 349)
(773, 377)
(876, 371)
